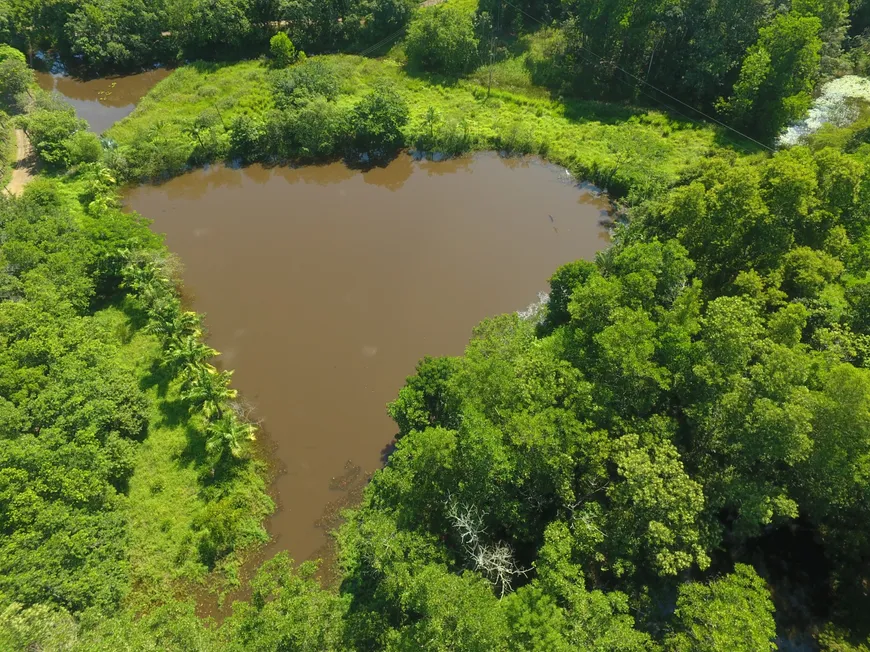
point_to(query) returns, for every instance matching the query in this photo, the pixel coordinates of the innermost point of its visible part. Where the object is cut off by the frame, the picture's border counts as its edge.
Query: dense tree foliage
(71, 407)
(442, 40)
(777, 76)
(697, 389)
(71, 414)
(757, 72)
(595, 477)
(614, 472)
(121, 35)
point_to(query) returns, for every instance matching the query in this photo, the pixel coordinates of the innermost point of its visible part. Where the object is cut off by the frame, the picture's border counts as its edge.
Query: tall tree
(777, 76)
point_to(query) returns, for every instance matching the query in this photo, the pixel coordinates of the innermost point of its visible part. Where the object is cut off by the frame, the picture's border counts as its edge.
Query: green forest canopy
(674, 454)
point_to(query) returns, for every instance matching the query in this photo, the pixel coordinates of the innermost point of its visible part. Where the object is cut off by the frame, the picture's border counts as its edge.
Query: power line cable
(641, 81)
(382, 42)
(652, 97)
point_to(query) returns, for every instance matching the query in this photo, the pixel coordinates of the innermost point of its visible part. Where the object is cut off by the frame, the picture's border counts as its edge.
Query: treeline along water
(322, 287)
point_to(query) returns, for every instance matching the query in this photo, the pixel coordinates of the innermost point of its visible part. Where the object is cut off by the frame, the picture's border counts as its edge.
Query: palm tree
(175, 324)
(228, 435)
(188, 352)
(161, 309)
(208, 389)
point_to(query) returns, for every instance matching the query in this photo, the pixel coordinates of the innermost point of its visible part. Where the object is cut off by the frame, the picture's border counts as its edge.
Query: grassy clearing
(469, 6)
(617, 146)
(521, 64)
(210, 89)
(171, 502)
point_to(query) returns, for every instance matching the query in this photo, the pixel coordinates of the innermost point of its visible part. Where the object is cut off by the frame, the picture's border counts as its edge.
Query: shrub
(8, 52)
(316, 130)
(158, 152)
(282, 50)
(15, 77)
(319, 129)
(83, 147)
(43, 192)
(378, 120)
(442, 40)
(51, 133)
(246, 135)
(301, 83)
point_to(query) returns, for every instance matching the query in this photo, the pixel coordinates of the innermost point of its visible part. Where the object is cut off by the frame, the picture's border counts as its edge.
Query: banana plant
(187, 352)
(208, 390)
(228, 435)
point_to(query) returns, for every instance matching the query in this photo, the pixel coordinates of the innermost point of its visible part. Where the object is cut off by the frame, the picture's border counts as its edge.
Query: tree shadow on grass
(194, 454)
(174, 412)
(159, 376)
(134, 312)
(432, 78)
(507, 46)
(727, 139)
(209, 67)
(586, 110)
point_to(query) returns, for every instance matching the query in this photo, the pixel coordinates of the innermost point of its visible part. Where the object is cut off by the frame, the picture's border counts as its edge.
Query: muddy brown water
(323, 286)
(102, 102)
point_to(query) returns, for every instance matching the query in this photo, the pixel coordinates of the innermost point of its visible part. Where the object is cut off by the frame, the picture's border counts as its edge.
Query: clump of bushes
(282, 52)
(449, 136)
(298, 85)
(60, 138)
(377, 122)
(442, 40)
(311, 118)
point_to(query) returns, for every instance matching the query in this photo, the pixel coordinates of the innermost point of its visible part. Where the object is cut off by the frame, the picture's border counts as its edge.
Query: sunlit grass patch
(615, 145)
(174, 505)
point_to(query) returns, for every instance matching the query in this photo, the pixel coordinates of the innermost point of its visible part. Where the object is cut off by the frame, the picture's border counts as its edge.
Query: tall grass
(185, 121)
(172, 496)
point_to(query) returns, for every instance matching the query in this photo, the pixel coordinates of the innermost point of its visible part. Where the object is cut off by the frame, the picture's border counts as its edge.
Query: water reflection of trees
(112, 92)
(446, 166)
(391, 176)
(321, 175)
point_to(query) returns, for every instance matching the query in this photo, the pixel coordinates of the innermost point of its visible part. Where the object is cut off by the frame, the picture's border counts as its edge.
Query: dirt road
(24, 167)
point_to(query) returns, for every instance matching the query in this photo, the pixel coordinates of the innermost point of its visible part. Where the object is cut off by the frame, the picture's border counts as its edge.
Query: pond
(323, 286)
(102, 102)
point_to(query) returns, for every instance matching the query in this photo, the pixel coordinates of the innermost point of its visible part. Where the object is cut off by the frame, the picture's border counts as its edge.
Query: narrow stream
(323, 286)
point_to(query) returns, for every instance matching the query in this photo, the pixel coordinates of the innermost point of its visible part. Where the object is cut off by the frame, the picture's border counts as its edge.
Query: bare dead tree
(244, 411)
(494, 561)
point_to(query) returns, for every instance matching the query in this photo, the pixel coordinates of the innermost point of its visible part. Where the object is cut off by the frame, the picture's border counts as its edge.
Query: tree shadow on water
(389, 449)
(385, 169)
